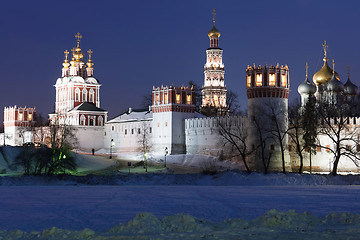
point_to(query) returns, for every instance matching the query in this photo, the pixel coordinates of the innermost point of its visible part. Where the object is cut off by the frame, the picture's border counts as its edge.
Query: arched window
(100, 121)
(82, 120)
(77, 95)
(84, 95)
(91, 96)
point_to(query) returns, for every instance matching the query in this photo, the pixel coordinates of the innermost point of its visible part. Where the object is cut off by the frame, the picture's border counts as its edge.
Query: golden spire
(65, 63)
(78, 37)
(307, 70)
(73, 57)
(214, 32)
(214, 13)
(90, 64)
(78, 55)
(325, 46)
(66, 55)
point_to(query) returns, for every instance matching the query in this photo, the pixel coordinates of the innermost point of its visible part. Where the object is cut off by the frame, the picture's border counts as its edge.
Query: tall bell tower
(214, 89)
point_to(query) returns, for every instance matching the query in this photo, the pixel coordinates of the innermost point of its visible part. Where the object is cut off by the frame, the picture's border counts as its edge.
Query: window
(188, 99)
(259, 79)
(150, 130)
(77, 94)
(100, 121)
(91, 96)
(30, 116)
(125, 131)
(91, 122)
(165, 98)
(157, 99)
(139, 131)
(248, 80)
(84, 95)
(112, 128)
(165, 124)
(178, 99)
(271, 79)
(82, 120)
(132, 131)
(21, 116)
(283, 80)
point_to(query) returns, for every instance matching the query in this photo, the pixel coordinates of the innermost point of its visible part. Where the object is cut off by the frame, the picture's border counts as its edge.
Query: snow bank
(272, 225)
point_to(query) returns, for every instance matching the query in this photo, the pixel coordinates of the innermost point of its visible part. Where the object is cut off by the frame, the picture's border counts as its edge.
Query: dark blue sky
(139, 44)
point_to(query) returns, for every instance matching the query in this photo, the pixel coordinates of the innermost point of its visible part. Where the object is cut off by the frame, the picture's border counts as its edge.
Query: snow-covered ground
(226, 205)
(102, 207)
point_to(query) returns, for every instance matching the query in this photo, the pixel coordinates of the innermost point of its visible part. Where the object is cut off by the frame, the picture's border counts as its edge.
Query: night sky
(141, 44)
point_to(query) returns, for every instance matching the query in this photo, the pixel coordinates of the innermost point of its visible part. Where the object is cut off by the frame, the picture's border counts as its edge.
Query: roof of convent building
(133, 115)
(87, 106)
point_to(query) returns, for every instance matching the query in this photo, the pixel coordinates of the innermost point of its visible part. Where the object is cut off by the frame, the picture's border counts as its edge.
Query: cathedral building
(78, 92)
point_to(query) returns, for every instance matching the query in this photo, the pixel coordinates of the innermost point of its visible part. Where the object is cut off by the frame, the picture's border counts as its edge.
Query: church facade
(172, 126)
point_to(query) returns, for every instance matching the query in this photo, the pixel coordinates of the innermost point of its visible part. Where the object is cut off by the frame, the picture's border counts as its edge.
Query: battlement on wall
(19, 114)
(213, 122)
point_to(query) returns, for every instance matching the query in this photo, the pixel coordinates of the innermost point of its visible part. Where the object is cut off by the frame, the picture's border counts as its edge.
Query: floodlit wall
(203, 136)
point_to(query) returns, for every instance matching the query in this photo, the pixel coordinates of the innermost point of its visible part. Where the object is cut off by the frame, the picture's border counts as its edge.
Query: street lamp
(112, 144)
(166, 153)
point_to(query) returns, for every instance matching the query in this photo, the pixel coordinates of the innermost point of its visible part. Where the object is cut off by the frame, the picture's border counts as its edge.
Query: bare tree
(262, 136)
(197, 94)
(232, 102)
(146, 101)
(279, 129)
(235, 135)
(335, 124)
(144, 140)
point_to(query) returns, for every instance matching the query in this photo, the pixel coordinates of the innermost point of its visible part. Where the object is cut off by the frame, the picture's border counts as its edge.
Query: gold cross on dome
(333, 62)
(214, 13)
(325, 46)
(78, 36)
(66, 54)
(90, 52)
(307, 69)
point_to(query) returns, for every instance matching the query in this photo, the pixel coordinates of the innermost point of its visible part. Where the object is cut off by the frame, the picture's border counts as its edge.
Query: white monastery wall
(90, 137)
(203, 137)
(126, 135)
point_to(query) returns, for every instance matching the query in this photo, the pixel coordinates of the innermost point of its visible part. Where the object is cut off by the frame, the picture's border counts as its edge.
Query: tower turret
(171, 106)
(214, 89)
(267, 92)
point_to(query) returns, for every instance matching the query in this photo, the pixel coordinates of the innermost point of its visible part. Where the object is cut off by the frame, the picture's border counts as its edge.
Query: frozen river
(101, 207)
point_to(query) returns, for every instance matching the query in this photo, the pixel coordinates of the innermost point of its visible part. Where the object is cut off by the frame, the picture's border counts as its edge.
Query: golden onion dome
(66, 64)
(73, 62)
(324, 75)
(90, 64)
(214, 32)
